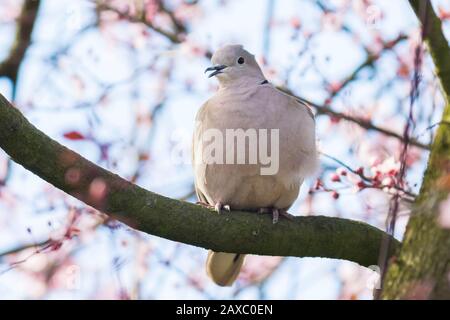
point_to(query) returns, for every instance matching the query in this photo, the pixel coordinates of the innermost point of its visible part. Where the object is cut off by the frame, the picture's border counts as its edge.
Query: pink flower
(335, 87)
(444, 14)
(258, 268)
(335, 177)
(295, 23)
(388, 182)
(361, 185)
(341, 171)
(388, 166)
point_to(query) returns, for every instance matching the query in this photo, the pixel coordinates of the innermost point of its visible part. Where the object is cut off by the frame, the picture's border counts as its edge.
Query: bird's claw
(204, 204)
(276, 213)
(219, 206)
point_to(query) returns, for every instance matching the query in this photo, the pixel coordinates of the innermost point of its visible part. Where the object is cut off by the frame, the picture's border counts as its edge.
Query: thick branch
(436, 41)
(10, 66)
(424, 259)
(241, 232)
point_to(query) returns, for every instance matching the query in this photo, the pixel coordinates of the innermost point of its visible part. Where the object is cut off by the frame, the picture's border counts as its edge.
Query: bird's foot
(285, 214)
(204, 204)
(219, 207)
(276, 213)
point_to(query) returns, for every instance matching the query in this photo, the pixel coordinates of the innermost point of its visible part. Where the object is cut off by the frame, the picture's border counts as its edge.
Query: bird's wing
(198, 165)
(307, 107)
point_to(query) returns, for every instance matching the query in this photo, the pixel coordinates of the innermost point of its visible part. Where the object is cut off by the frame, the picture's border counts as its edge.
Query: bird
(245, 101)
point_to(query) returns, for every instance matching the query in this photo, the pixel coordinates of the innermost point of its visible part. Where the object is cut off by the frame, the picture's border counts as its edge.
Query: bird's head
(232, 63)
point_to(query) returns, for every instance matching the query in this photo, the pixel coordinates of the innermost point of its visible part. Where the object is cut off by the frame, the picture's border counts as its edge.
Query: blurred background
(120, 83)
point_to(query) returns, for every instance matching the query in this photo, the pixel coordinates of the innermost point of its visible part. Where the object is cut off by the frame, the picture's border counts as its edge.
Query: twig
(366, 124)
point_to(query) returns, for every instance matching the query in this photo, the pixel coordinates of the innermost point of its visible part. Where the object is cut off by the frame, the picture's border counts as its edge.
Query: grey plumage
(242, 102)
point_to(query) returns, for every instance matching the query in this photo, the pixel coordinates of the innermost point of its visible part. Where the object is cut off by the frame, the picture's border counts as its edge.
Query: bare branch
(366, 124)
(176, 38)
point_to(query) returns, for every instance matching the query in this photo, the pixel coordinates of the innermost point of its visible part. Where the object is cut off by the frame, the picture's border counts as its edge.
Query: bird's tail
(223, 268)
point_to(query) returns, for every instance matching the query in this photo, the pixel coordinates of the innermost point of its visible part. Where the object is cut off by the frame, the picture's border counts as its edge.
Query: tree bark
(422, 268)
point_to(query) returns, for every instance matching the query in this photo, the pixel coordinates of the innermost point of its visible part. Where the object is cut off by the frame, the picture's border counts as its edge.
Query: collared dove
(246, 101)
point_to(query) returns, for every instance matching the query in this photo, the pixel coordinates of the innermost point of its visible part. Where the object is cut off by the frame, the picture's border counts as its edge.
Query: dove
(247, 107)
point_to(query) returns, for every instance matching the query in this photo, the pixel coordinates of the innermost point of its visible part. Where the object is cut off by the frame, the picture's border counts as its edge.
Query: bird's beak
(217, 69)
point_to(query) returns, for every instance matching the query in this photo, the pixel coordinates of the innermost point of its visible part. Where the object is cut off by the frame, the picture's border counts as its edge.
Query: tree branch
(37, 246)
(174, 37)
(436, 41)
(321, 110)
(424, 258)
(10, 66)
(240, 232)
(363, 123)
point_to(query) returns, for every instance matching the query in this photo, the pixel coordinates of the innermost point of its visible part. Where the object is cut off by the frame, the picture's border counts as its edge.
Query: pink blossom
(341, 171)
(258, 268)
(335, 177)
(295, 22)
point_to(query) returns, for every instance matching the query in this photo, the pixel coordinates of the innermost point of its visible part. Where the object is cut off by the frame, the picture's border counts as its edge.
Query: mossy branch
(240, 232)
(435, 39)
(422, 266)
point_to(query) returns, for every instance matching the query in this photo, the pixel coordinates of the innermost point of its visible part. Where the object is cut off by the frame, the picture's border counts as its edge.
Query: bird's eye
(240, 60)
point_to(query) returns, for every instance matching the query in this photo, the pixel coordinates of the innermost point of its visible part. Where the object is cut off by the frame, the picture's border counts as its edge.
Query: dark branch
(241, 232)
(10, 66)
(36, 246)
(438, 44)
(424, 257)
(174, 37)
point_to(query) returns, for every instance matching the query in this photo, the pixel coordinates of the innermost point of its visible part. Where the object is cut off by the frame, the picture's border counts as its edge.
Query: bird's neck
(242, 82)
